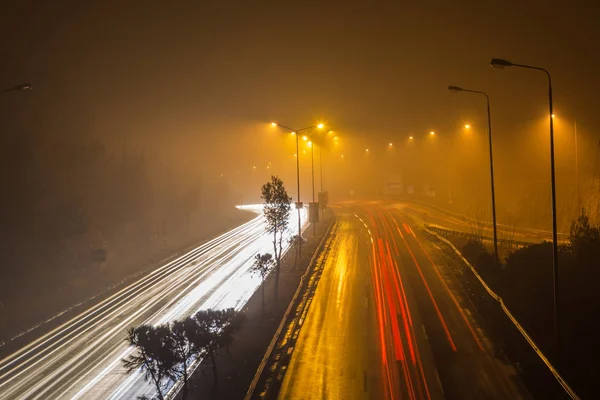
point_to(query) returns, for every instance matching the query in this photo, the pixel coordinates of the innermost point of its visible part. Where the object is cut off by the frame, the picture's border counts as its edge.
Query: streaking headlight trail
(81, 359)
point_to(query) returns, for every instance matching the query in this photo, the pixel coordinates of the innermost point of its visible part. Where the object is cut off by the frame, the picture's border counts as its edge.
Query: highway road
(81, 359)
(436, 216)
(389, 320)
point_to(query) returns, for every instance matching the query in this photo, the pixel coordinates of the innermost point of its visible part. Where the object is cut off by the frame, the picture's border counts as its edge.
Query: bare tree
(155, 354)
(277, 211)
(263, 264)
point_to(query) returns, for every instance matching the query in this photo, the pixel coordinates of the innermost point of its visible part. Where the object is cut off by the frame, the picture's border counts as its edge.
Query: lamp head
(455, 89)
(500, 63)
(24, 86)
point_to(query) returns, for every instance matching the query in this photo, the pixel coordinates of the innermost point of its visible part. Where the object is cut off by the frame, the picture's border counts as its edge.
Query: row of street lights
(296, 133)
(496, 63)
(500, 63)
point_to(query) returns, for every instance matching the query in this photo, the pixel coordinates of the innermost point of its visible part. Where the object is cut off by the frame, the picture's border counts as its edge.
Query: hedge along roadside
(516, 323)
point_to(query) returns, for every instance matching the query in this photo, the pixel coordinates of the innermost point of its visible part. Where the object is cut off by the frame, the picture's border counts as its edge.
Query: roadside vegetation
(165, 353)
(262, 266)
(525, 282)
(277, 211)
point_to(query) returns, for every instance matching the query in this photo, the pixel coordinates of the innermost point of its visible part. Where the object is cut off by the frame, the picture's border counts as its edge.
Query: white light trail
(82, 357)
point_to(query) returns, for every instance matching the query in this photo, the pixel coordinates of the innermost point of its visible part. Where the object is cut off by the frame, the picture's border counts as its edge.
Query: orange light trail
(388, 226)
(392, 279)
(435, 305)
(403, 310)
(398, 347)
(380, 317)
(395, 328)
(404, 305)
(392, 299)
(439, 275)
(381, 321)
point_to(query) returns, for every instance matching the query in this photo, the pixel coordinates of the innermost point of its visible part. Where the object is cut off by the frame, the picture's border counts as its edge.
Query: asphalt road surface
(389, 320)
(461, 223)
(81, 359)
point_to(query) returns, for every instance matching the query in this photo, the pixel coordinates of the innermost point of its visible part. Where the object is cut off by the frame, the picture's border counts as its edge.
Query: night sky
(189, 72)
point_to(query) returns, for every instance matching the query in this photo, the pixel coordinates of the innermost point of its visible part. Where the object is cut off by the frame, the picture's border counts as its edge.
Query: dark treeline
(525, 283)
(63, 198)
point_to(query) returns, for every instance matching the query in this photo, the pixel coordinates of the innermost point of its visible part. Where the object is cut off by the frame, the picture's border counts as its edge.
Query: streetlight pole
(312, 162)
(577, 168)
(499, 63)
(299, 244)
(449, 162)
(296, 132)
(489, 118)
(321, 165)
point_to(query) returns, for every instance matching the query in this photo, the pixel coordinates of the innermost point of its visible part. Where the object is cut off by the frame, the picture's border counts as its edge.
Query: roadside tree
(186, 336)
(215, 330)
(277, 211)
(263, 264)
(154, 354)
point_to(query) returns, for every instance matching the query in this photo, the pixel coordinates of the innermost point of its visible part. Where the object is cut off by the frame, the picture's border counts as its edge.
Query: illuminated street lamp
(298, 203)
(432, 133)
(458, 89)
(499, 63)
(22, 86)
(467, 126)
(311, 143)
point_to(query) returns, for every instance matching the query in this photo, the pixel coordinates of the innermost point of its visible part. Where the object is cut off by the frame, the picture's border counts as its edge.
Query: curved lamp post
(459, 89)
(500, 63)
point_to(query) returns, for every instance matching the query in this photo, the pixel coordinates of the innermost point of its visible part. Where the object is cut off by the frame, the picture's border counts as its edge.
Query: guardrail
(301, 304)
(563, 236)
(568, 390)
(177, 386)
(473, 236)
